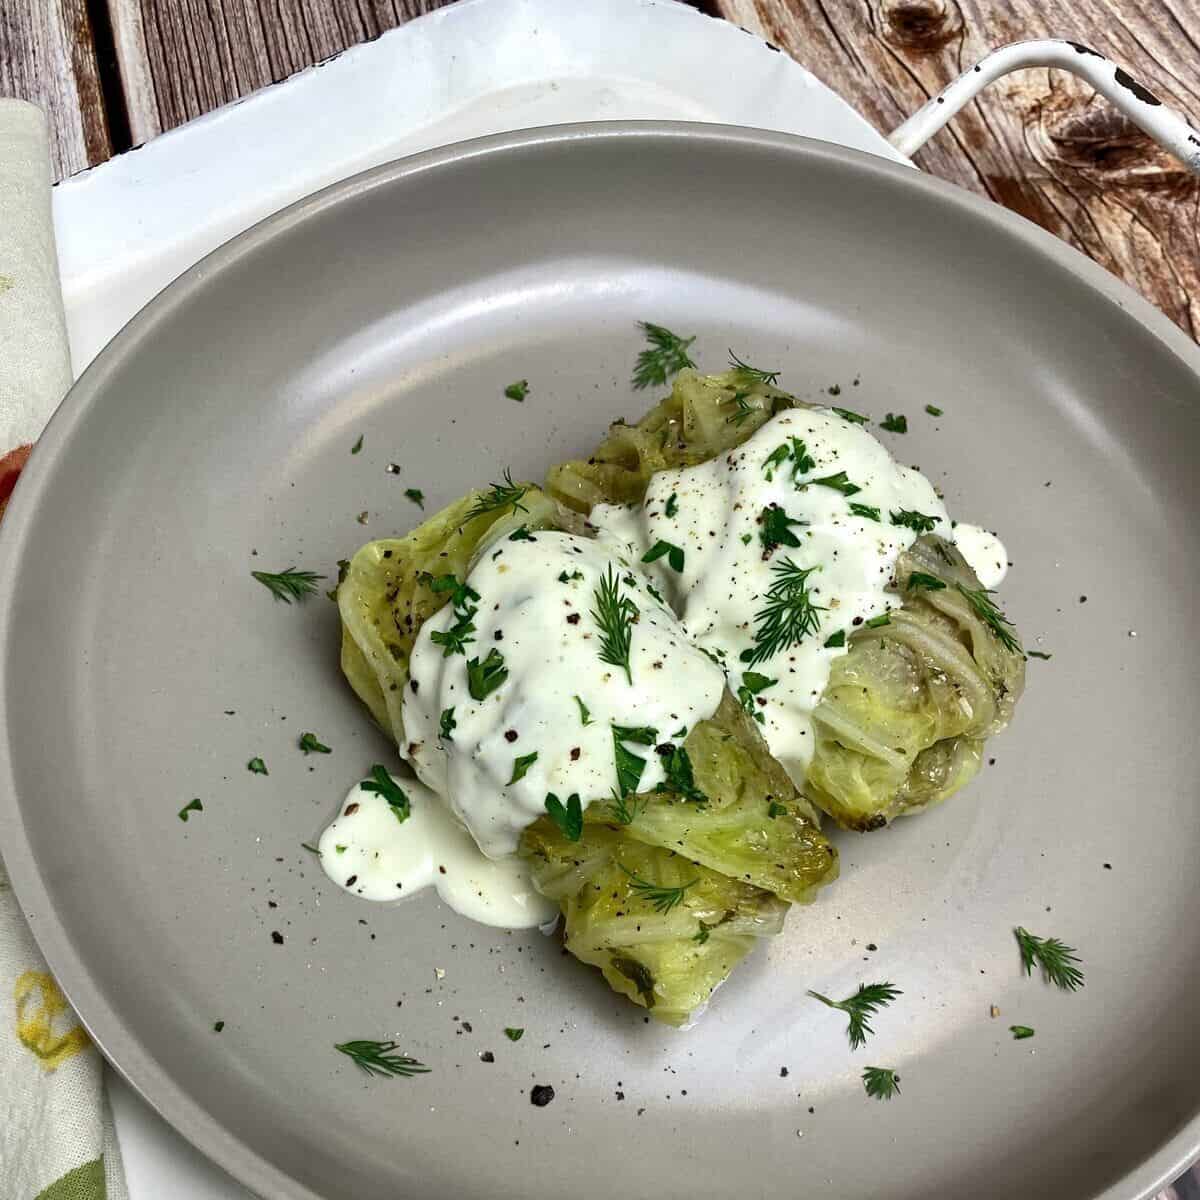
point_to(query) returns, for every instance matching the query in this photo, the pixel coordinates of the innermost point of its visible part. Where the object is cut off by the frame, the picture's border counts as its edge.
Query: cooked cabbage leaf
(902, 722)
(664, 931)
(753, 824)
(733, 821)
(704, 416)
(385, 595)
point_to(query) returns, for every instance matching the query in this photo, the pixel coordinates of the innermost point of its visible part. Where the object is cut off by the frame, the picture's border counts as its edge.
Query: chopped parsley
(563, 577)
(513, 1035)
(357, 445)
(793, 450)
(447, 723)
(462, 600)
(753, 683)
(839, 483)
(853, 417)
(256, 766)
(775, 809)
(879, 621)
(680, 780)
(864, 510)
(672, 506)
(1020, 1032)
(310, 744)
(894, 423)
(776, 530)
(517, 391)
(382, 784)
(190, 807)
(521, 534)
(521, 766)
(483, 678)
(629, 765)
(918, 522)
(835, 640)
(933, 410)
(416, 496)
(673, 553)
(568, 817)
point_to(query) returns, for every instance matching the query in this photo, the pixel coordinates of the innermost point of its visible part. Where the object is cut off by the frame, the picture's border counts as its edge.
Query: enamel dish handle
(1138, 103)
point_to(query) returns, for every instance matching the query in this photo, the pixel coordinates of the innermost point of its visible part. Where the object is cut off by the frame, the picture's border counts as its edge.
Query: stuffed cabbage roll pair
(665, 887)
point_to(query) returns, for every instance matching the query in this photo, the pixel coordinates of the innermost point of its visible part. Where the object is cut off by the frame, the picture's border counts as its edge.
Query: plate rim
(118, 1043)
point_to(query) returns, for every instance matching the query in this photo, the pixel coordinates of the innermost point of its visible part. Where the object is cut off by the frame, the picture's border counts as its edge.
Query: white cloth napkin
(56, 1134)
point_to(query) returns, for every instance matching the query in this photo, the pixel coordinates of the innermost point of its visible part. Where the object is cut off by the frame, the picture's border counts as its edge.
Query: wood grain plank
(182, 58)
(1040, 142)
(47, 56)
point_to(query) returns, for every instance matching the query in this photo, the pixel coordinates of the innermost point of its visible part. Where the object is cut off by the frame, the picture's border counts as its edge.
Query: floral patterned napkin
(56, 1134)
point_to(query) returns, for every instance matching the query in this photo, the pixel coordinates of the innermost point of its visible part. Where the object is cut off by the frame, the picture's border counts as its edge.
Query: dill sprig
(920, 580)
(756, 374)
(288, 585)
(860, 1007)
(788, 616)
(625, 809)
(665, 356)
(499, 497)
(743, 408)
(1056, 960)
(881, 1083)
(614, 615)
(379, 1058)
(991, 616)
(662, 899)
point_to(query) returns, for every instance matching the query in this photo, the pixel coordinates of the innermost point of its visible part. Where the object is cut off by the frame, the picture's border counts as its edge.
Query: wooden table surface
(114, 73)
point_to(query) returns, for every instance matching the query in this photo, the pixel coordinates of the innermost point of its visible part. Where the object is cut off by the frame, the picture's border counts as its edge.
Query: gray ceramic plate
(214, 436)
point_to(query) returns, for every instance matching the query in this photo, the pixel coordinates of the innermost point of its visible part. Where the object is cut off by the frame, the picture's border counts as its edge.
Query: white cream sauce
(367, 852)
(984, 552)
(537, 599)
(715, 513)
